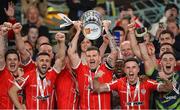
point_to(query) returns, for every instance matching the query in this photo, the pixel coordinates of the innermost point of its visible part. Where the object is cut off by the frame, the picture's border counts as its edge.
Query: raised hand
(17, 28)
(150, 49)
(131, 26)
(78, 25)
(168, 85)
(106, 24)
(5, 28)
(60, 37)
(10, 10)
(159, 30)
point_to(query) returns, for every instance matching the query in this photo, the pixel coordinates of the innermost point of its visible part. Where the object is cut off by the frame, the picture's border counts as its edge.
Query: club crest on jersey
(143, 91)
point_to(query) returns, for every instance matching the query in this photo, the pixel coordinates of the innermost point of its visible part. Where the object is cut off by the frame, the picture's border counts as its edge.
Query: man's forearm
(14, 97)
(19, 42)
(2, 52)
(112, 42)
(73, 43)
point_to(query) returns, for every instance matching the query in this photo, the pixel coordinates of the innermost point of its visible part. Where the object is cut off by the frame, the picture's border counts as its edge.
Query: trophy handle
(66, 19)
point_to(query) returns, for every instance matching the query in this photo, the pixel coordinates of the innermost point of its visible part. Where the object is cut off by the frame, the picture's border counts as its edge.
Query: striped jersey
(88, 99)
(136, 98)
(34, 97)
(169, 100)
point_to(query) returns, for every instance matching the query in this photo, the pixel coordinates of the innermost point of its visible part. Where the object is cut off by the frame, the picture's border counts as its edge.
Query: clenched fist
(17, 28)
(60, 37)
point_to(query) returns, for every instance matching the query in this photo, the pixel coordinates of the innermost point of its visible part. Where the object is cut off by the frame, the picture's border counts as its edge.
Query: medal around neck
(92, 24)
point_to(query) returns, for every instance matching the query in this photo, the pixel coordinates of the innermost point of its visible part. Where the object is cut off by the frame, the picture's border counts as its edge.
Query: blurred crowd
(130, 66)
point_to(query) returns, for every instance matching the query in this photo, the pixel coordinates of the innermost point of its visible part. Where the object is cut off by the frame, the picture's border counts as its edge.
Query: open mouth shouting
(92, 63)
(12, 66)
(168, 68)
(44, 68)
(131, 76)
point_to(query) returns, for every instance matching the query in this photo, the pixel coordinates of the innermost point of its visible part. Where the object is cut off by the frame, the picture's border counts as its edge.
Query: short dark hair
(167, 53)
(42, 53)
(166, 44)
(170, 6)
(126, 7)
(12, 51)
(44, 37)
(132, 59)
(167, 32)
(45, 44)
(93, 48)
(28, 43)
(32, 26)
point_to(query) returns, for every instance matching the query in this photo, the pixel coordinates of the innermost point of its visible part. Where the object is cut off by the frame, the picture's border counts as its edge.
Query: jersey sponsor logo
(135, 103)
(43, 98)
(170, 97)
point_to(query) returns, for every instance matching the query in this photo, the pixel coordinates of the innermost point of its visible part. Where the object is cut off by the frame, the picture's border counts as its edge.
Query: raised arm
(72, 50)
(2, 52)
(14, 97)
(3, 32)
(25, 55)
(104, 45)
(148, 63)
(111, 60)
(10, 11)
(59, 63)
(133, 41)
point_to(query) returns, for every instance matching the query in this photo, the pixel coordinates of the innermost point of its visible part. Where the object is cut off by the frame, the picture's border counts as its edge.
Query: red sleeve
(151, 84)
(11, 32)
(114, 85)
(79, 68)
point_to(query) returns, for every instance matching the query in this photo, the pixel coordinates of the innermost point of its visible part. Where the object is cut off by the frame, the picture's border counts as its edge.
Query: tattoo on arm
(111, 41)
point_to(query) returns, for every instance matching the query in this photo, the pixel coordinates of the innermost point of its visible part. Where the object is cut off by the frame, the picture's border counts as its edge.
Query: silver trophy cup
(92, 24)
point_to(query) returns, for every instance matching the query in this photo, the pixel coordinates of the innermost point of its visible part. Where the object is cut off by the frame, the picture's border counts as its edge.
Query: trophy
(91, 24)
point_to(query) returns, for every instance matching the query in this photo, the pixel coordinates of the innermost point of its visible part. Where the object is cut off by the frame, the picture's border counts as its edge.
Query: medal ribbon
(128, 93)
